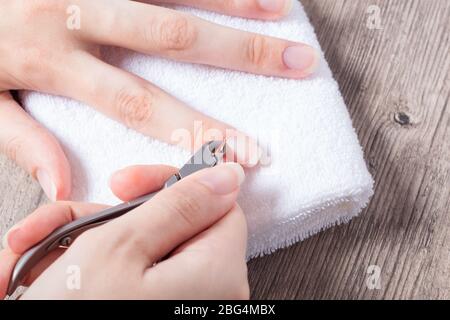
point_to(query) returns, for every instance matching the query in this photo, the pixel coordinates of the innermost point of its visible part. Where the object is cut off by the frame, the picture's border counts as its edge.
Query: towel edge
(278, 238)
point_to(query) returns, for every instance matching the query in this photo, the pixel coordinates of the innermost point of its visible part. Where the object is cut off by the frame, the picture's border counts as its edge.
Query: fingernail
(244, 150)
(301, 57)
(224, 178)
(276, 6)
(47, 184)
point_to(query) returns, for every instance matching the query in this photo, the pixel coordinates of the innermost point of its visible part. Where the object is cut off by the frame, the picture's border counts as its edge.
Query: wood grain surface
(396, 82)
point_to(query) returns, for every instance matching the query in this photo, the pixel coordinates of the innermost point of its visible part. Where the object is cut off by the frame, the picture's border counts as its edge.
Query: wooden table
(395, 80)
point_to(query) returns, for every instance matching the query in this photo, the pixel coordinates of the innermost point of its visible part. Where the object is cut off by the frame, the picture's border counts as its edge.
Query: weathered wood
(397, 87)
(396, 84)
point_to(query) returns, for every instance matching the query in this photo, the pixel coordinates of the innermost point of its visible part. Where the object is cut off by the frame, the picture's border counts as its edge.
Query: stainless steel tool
(208, 156)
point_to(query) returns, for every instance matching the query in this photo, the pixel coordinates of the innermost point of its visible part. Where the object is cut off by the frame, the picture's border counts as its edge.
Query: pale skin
(194, 232)
(39, 52)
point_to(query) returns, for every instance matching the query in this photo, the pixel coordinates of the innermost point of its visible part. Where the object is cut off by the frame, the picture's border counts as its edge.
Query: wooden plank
(396, 84)
(19, 195)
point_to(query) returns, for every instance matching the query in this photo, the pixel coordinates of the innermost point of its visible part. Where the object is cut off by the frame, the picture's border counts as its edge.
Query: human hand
(43, 54)
(193, 231)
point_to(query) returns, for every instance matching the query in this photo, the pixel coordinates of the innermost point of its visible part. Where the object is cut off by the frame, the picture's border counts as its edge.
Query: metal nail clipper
(208, 156)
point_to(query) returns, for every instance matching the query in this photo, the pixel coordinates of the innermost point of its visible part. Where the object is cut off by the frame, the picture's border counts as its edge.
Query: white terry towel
(317, 177)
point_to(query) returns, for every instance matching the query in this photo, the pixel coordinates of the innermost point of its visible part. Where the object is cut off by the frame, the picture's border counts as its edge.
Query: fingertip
(49, 165)
(36, 226)
(119, 181)
(243, 150)
(260, 9)
(56, 187)
(63, 186)
(54, 175)
(132, 182)
(301, 60)
(35, 149)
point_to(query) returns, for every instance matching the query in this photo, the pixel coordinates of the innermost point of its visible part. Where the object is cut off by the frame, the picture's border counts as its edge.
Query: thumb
(33, 148)
(35, 227)
(178, 213)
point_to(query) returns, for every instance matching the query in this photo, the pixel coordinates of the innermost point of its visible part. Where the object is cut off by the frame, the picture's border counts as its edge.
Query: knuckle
(177, 33)
(135, 109)
(257, 51)
(35, 66)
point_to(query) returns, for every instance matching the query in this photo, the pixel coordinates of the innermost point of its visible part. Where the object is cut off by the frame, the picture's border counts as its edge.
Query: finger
(255, 9)
(176, 214)
(43, 221)
(133, 182)
(32, 230)
(176, 35)
(8, 260)
(143, 107)
(30, 145)
(214, 259)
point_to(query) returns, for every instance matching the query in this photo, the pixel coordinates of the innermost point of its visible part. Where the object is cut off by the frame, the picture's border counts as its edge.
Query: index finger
(180, 36)
(129, 183)
(135, 181)
(43, 221)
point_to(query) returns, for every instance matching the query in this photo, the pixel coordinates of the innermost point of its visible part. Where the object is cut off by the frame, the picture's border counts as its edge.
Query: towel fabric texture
(317, 177)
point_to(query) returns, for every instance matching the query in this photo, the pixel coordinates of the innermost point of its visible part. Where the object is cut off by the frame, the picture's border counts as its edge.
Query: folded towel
(317, 177)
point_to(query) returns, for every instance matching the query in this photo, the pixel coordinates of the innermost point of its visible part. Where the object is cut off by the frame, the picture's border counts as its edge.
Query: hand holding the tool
(56, 48)
(188, 242)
